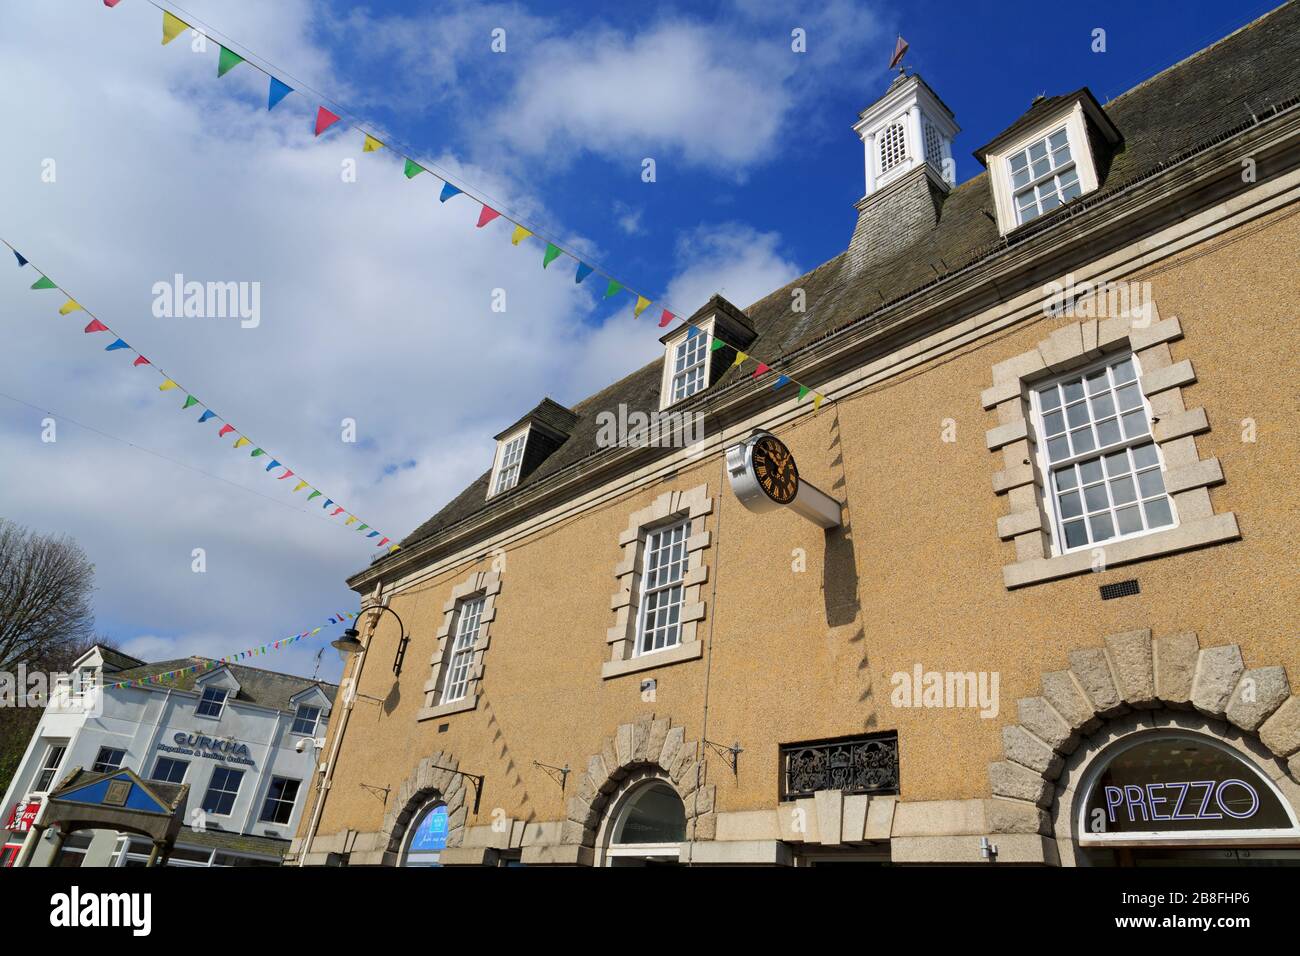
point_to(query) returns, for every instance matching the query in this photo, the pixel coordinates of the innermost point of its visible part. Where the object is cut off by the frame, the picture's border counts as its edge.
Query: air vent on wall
(1119, 589)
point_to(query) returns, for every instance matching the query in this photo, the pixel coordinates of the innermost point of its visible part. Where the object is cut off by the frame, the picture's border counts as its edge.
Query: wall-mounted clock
(764, 477)
(775, 469)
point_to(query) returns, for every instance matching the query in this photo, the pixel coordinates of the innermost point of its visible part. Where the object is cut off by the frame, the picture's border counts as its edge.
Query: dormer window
(212, 703)
(1043, 176)
(510, 462)
(1051, 155)
(690, 368)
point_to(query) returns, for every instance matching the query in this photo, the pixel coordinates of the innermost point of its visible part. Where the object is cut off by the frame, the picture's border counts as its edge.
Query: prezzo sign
(199, 745)
(1180, 786)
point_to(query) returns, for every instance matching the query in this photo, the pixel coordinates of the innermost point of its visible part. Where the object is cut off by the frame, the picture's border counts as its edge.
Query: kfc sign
(23, 816)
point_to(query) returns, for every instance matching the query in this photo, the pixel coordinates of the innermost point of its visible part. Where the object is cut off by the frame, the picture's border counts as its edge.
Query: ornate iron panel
(853, 765)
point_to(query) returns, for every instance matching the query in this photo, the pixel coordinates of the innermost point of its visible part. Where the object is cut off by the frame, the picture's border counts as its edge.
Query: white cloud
(734, 259)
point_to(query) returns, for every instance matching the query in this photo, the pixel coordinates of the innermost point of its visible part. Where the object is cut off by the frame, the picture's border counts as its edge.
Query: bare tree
(45, 585)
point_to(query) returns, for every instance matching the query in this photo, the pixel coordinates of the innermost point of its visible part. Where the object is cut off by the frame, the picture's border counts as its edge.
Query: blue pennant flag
(21, 261)
(695, 330)
(584, 270)
(328, 502)
(273, 464)
(277, 92)
(372, 534)
(780, 381)
(206, 415)
(119, 344)
(448, 190)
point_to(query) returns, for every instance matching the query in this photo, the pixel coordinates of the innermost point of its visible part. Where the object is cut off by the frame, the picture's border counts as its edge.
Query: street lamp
(349, 644)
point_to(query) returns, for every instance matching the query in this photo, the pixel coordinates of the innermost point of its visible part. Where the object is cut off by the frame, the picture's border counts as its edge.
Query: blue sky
(375, 298)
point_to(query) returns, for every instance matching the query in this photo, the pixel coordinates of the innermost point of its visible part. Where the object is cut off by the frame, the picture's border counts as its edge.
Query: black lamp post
(349, 644)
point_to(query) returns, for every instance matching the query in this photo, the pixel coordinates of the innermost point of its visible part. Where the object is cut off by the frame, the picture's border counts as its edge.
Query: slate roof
(1192, 104)
(117, 659)
(233, 842)
(256, 686)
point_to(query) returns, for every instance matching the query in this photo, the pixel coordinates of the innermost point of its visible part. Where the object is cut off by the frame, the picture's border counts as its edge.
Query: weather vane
(897, 60)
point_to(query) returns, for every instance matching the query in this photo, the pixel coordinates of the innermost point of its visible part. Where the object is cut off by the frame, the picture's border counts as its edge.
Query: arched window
(647, 826)
(1180, 789)
(427, 838)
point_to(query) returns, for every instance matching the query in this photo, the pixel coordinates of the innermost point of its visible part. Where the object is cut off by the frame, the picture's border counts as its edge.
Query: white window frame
(51, 768)
(1048, 468)
(297, 716)
(234, 794)
(667, 387)
(1073, 119)
(203, 699)
(469, 617)
(678, 532)
(279, 801)
(1034, 186)
(99, 759)
(506, 472)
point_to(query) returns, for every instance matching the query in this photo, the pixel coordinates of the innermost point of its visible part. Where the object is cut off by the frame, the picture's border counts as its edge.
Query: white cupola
(907, 127)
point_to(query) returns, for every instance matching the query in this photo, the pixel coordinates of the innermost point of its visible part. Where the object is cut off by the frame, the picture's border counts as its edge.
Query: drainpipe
(348, 704)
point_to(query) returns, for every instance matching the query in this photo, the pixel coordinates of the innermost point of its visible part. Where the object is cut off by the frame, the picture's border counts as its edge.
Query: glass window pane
(1129, 397)
(1117, 463)
(1070, 190)
(1070, 505)
(1122, 490)
(1082, 440)
(1058, 139)
(1091, 471)
(1053, 423)
(1150, 483)
(1077, 414)
(1038, 150)
(1145, 455)
(1051, 201)
(1066, 479)
(1075, 535)
(1108, 431)
(1158, 513)
(1123, 371)
(1103, 406)
(1058, 448)
(1049, 399)
(1102, 527)
(1095, 497)
(1129, 520)
(1073, 390)
(1135, 423)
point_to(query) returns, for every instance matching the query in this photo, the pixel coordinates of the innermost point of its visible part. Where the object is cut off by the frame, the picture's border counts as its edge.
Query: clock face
(775, 469)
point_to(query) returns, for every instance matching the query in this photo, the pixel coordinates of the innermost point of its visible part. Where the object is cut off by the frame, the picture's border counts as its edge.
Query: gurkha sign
(199, 745)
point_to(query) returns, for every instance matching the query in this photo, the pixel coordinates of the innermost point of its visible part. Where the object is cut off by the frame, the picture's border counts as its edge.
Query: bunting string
(490, 211)
(169, 383)
(258, 651)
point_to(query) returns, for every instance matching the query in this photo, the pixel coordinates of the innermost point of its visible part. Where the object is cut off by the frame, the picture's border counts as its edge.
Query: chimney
(907, 138)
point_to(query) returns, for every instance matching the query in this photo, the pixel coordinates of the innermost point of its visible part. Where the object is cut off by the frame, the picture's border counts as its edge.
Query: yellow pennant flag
(315, 630)
(173, 26)
(300, 486)
(392, 549)
(642, 303)
(817, 400)
(167, 386)
(69, 307)
(740, 357)
(372, 144)
(519, 235)
(242, 442)
(351, 518)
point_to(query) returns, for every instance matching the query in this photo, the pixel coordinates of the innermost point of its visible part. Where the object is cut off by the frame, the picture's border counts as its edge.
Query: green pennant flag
(314, 494)
(190, 402)
(612, 288)
(44, 282)
(552, 251)
(717, 344)
(227, 61)
(413, 169)
(256, 452)
(363, 527)
(803, 390)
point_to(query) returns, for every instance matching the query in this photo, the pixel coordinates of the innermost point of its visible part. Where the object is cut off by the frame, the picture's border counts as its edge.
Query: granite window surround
(670, 507)
(486, 584)
(1187, 476)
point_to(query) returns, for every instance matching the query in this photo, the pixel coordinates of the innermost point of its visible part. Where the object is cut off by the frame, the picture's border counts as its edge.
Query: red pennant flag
(96, 326)
(140, 360)
(324, 120)
(111, 3)
(382, 542)
(225, 430)
(665, 318)
(286, 474)
(761, 369)
(336, 511)
(486, 216)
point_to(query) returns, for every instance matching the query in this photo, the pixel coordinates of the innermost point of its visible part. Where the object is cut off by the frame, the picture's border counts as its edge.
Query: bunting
(227, 61)
(173, 26)
(324, 120)
(167, 382)
(256, 651)
(371, 144)
(276, 93)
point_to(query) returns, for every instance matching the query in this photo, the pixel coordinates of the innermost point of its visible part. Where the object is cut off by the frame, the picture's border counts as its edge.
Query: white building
(244, 739)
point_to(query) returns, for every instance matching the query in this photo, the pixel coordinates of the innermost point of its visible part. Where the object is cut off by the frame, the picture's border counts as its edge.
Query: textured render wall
(793, 656)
